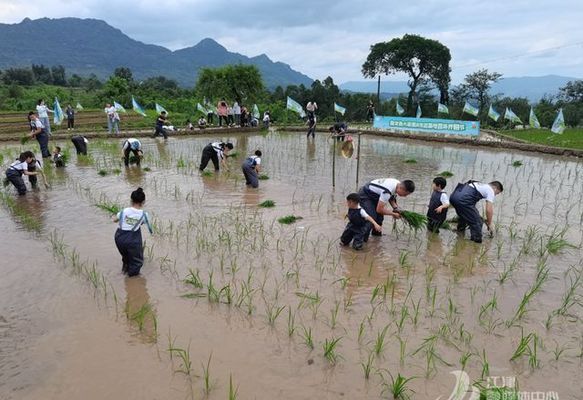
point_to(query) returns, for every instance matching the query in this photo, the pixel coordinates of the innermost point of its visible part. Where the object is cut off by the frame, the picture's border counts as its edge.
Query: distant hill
(533, 88)
(85, 46)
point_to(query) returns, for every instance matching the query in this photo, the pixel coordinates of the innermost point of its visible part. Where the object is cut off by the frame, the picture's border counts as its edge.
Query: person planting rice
(214, 152)
(338, 130)
(379, 198)
(438, 204)
(464, 199)
(128, 236)
(80, 143)
(160, 122)
(311, 126)
(250, 169)
(359, 224)
(38, 131)
(58, 158)
(134, 146)
(21, 167)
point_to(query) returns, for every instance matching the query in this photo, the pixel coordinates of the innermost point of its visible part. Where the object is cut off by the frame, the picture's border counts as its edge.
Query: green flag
(470, 109)
(533, 120)
(418, 114)
(509, 115)
(339, 109)
(256, 111)
(400, 110)
(442, 108)
(200, 108)
(295, 106)
(159, 109)
(79, 106)
(559, 124)
(137, 107)
(493, 114)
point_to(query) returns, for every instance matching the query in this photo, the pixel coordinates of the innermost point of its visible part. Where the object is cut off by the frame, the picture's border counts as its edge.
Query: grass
(267, 204)
(413, 219)
(288, 219)
(445, 174)
(571, 138)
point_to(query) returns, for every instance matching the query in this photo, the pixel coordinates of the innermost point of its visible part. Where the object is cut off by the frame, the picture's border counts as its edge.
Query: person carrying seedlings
(80, 143)
(379, 198)
(214, 152)
(58, 158)
(359, 223)
(38, 131)
(160, 122)
(128, 236)
(464, 199)
(18, 168)
(438, 204)
(250, 169)
(338, 130)
(134, 146)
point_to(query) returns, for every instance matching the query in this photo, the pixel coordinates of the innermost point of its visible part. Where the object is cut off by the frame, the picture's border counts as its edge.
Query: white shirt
(42, 111)
(37, 124)
(266, 117)
(363, 213)
(109, 111)
(256, 159)
(19, 166)
(311, 106)
(444, 198)
(485, 190)
(217, 147)
(132, 144)
(389, 184)
(133, 217)
(236, 108)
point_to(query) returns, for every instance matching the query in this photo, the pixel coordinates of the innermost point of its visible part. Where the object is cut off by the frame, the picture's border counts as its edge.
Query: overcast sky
(321, 38)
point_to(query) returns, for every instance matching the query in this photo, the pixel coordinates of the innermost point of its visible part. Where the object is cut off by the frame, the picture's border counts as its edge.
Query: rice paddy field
(246, 293)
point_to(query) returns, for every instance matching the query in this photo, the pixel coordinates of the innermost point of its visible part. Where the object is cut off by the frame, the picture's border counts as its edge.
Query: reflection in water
(347, 149)
(135, 176)
(162, 149)
(28, 211)
(434, 253)
(466, 255)
(139, 311)
(311, 149)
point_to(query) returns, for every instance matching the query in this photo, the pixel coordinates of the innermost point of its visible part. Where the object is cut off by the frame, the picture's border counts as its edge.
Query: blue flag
(442, 108)
(200, 108)
(559, 124)
(418, 114)
(159, 109)
(339, 109)
(533, 120)
(138, 108)
(470, 109)
(118, 107)
(295, 106)
(256, 111)
(58, 112)
(493, 114)
(400, 110)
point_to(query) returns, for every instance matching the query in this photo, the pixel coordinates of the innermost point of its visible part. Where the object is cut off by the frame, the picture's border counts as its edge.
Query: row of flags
(293, 105)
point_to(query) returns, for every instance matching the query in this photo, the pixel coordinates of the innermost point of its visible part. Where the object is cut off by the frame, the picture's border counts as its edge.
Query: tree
(477, 84)
(18, 76)
(124, 73)
(42, 74)
(422, 59)
(241, 83)
(58, 73)
(92, 82)
(573, 91)
(75, 81)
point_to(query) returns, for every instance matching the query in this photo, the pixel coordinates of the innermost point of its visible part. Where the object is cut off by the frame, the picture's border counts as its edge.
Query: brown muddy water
(263, 298)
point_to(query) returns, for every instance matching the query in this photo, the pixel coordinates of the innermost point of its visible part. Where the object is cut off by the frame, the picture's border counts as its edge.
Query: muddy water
(71, 326)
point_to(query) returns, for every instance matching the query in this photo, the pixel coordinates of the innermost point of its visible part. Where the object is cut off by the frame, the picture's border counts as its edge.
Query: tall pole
(334, 163)
(379, 92)
(358, 158)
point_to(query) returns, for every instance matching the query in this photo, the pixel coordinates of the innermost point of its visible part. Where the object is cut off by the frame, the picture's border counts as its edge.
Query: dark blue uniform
(356, 230)
(464, 199)
(129, 245)
(435, 220)
(248, 167)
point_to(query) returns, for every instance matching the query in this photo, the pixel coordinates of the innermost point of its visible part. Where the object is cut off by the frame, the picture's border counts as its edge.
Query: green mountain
(85, 46)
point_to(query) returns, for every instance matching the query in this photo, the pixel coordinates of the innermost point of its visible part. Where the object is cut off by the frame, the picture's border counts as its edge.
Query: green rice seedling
(112, 208)
(415, 315)
(556, 244)
(360, 332)
(233, 391)
(379, 344)
(410, 161)
(24, 140)
(206, 173)
(193, 278)
(334, 315)
(291, 318)
(404, 258)
(139, 317)
(206, 375)
(368, 365)
(445, 174)
(273, 311)
(485, 364)
(116, 171)
(288, 219)
(402, 349)
(398, 387)
(267, 204)
(146, 169)
(559, 350)
(330, 349)
(180, 163)
(516, 163)
(263, 177)
(306, 335)
(464, 358)
(102, 172)
(227, 294)
(414, 220)
(570, 297)
(401, 321)
(213, 294)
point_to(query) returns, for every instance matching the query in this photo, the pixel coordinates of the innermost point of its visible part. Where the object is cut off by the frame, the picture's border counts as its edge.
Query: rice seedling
(263, 177)
(368, 365)
(233, 391)
(193, 278)
(291, 318)
(527, 346)
(146, 169)
(330, 349)
(306, 335)
(414, 220)
(402, 349)
(24, 139)
(184, 356)
(288, 219)
(516, 163)
(445, 174)
(360, 334)
(273, 311)
(206, 173)
(334, 315)
(139, 317)
(102, 172)
(206, 375)
(112, 208)
(180, 163)
(556, 244)
(559, 350)
(571, 297)
(379, 344)
(116, 171)
(410, 161)
(398, 388)
(485, 364)
(267, 204)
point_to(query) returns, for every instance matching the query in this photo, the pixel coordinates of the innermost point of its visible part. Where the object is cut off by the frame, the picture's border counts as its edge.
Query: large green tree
(477, 84)
(572, 91)
(424, 60)
(241, 83)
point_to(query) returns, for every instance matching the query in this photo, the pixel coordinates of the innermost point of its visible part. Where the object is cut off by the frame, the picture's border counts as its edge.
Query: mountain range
(85, 46)
(531, 87)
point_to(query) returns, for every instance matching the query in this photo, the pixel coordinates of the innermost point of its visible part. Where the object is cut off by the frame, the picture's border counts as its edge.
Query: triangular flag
(159, 109)
(470, 109)
(493, 114)
(559, 124)
(79, 106)
(118, 107)
(339, 109)
(533, 120)
(400, 110)
(137, 108)
(200, 108)
(295, 106)
(58, 112)
(418, 114)
(442, 108)
(509, 115)
(256, 111)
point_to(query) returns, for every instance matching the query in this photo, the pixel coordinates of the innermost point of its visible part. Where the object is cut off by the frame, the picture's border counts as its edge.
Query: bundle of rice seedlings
(233, 154)
(147, 169)
(24, 140)
(102, 172)
(110, 207)
(267, 204)
(413, 219)
(288, 219)
(411, 161)
(445, 174)
(207, 173)
(516, 163)
(263, 177)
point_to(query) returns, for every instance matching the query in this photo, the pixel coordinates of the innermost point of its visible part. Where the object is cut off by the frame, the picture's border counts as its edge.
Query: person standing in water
(128, 237)
(215, 152)
(38, 131)
(18, 168)
(250, 169)
(134, 146)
